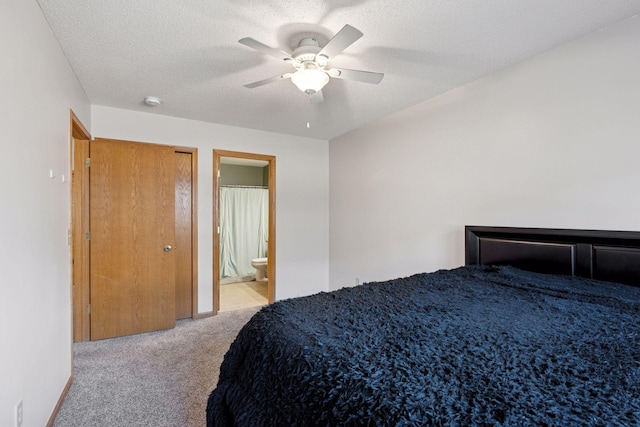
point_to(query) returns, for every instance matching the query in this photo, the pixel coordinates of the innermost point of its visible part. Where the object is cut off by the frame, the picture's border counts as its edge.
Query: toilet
(260, 264)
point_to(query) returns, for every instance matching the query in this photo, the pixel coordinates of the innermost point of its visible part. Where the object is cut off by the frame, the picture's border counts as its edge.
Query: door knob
(168, 248)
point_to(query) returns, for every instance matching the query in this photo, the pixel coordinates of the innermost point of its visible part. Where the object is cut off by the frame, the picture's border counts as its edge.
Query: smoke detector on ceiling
(152, 101)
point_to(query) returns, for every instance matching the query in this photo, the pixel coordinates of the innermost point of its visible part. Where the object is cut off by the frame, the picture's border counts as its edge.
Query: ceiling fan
(310, 61)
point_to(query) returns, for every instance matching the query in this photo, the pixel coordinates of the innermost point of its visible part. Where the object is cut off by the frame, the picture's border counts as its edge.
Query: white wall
(302, 193)
(551, 142)
(38, 88)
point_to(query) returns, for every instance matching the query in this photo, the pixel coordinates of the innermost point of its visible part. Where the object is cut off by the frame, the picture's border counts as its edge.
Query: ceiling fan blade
(269, 80)
(316, 98)
(357, 75)
(267, 50)
(343, 39)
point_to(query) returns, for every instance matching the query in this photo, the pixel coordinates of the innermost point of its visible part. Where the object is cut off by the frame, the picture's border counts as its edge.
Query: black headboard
(604, 255)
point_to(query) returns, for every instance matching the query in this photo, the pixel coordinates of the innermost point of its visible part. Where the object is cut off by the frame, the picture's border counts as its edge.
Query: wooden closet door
(184, 215)
(132, 227)
(80, 246)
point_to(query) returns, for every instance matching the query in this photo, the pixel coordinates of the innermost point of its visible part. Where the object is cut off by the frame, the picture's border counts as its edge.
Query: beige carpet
(154, 379)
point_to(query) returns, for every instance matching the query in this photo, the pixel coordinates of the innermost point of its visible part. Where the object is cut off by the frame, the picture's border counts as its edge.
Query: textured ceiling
(186, 52)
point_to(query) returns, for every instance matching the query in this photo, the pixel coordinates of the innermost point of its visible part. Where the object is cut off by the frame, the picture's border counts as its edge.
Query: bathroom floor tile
(236, 296)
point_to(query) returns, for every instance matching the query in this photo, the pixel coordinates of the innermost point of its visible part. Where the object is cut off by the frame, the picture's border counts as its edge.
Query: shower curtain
(244, 230)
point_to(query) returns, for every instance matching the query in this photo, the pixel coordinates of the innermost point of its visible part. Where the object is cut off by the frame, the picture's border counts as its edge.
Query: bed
(540, 327)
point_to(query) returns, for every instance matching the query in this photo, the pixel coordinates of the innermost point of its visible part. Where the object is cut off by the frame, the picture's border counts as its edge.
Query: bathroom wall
(242, 175)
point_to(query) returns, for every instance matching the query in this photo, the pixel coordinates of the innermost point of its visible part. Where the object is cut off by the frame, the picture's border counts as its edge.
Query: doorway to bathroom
(244, 230)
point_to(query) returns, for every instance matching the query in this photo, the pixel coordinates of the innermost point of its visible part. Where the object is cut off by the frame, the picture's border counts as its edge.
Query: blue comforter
(486, 346)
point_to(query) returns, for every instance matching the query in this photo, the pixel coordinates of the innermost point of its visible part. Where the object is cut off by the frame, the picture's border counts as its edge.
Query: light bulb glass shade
(310, 80)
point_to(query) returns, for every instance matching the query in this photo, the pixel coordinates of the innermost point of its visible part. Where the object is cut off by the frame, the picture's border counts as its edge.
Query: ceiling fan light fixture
(310, 79)
(310, 61)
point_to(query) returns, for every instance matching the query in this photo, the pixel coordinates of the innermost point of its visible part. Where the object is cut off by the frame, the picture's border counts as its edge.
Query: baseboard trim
(60, 401)
(203, 315)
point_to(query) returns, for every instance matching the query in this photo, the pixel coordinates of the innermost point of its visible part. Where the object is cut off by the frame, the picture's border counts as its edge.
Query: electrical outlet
(19, 417)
